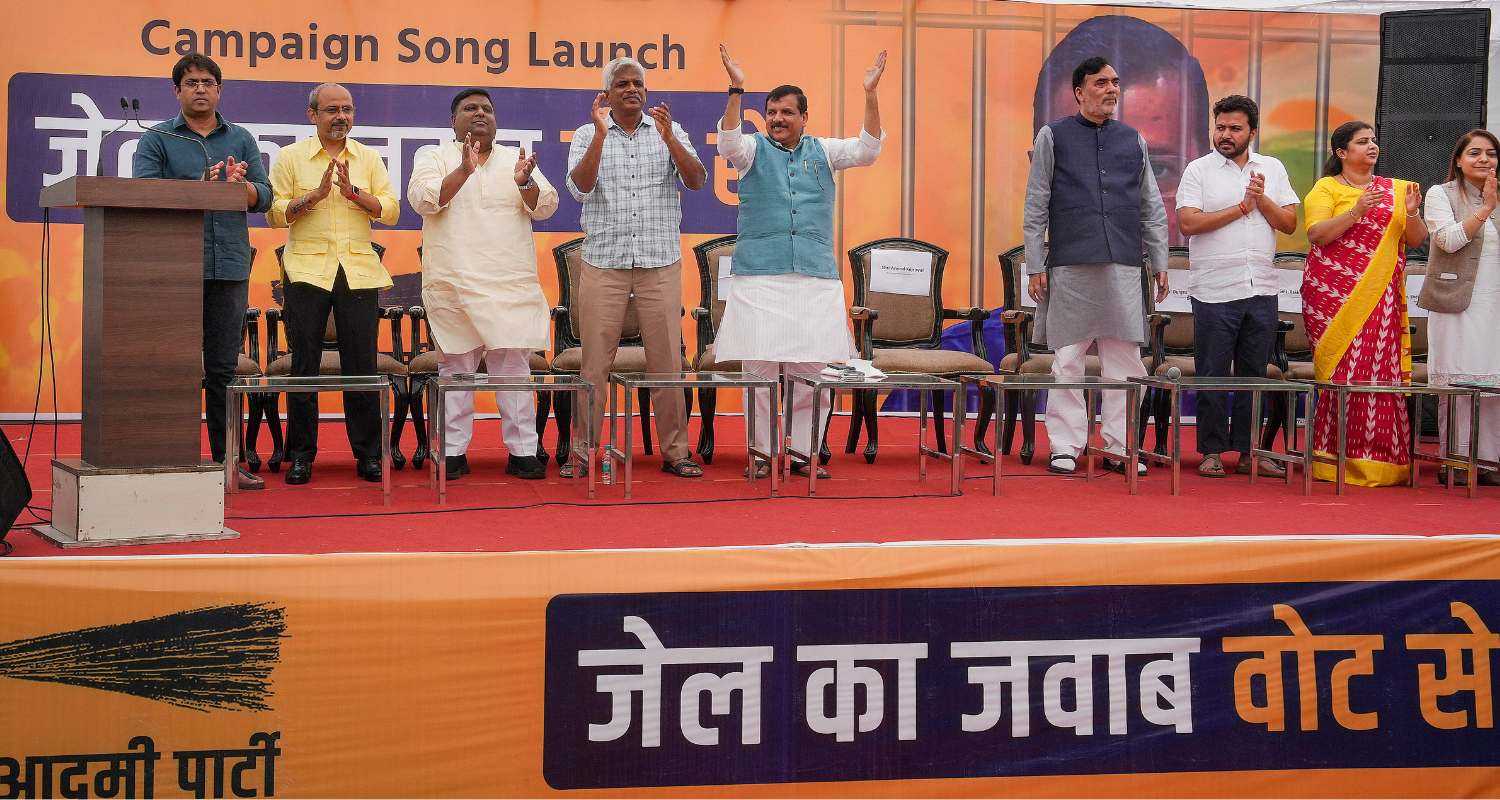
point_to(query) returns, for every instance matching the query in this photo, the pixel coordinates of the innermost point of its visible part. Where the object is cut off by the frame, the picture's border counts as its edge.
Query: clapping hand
(346, 187)
(1368, 199)
(662, 114)
(235, 170)
(1488, 193)
(872, 75)
(736, 73)
(600, 113)
(1255, 190)
(1413, 199)
(524, 165)
(471, 154)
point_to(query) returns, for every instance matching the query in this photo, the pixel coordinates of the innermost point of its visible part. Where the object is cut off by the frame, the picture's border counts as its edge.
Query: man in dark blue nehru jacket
(1092, 210)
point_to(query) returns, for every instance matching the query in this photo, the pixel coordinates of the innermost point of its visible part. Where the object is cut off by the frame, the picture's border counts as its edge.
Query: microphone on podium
(99, 166)
(135, 110)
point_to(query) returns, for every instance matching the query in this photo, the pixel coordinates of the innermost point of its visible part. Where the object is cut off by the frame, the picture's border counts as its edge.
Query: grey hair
(312, 96)
(618, 64)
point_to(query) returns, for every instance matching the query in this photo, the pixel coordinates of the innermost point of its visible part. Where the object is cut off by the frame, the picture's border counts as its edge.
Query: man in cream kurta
(479, 282)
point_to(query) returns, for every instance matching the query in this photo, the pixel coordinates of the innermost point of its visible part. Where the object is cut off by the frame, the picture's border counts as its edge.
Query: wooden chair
(1173, 345)
(706, 316)
(567, 348)
(390, 363)
(1028, 358)
(422, 367)
(903, 333)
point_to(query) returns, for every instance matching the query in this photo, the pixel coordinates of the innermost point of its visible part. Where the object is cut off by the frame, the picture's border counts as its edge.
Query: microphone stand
(99, 167)
(135, 108)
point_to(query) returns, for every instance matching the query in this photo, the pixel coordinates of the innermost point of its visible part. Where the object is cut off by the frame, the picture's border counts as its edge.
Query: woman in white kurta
(1465, 346)
(479, 283)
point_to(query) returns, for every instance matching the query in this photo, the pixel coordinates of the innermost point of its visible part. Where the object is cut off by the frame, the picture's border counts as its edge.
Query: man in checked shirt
(625, 167)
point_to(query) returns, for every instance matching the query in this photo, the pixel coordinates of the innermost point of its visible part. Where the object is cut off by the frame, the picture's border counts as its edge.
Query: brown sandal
(1212, 467)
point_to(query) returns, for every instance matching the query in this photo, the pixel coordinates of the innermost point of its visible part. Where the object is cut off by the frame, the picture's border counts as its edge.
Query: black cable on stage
(573, 504)
(40, 513)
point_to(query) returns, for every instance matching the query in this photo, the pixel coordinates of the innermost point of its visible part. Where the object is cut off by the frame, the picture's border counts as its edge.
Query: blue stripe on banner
(783, 686)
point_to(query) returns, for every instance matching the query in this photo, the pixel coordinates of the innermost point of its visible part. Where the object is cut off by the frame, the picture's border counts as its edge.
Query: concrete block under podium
(103, 507)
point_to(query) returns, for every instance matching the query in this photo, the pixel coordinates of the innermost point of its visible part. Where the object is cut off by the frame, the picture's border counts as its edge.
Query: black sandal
(682, 468)
(800, 469)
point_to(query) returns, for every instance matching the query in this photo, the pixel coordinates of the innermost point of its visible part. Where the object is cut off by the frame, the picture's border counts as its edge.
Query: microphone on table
(1173, 373)
(135, 108)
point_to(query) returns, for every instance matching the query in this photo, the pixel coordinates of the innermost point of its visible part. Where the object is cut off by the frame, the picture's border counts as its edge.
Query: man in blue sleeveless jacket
(1093, 212)
(784, 311)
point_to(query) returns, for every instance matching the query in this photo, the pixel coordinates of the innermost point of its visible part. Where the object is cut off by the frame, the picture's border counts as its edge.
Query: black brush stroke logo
(205, 659)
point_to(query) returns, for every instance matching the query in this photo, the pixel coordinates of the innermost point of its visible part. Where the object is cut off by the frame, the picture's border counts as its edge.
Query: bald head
(331, 108)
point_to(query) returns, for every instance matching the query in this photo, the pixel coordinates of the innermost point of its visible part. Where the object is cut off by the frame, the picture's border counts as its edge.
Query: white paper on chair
(1026, 301)
(900, 272)
(726, 265)
(1413, 290)
(1289, 291)
(1177, 299)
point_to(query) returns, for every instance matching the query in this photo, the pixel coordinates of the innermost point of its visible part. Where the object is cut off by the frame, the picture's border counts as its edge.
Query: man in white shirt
(479, 284)
(1231, 203)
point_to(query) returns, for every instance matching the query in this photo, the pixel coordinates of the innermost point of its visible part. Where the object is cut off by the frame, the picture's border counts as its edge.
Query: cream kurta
(479, 281)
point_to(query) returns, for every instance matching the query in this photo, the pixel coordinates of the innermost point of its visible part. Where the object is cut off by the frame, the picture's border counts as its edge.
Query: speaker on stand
(15, 490)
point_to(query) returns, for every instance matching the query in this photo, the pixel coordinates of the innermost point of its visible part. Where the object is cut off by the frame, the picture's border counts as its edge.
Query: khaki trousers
(603, 297)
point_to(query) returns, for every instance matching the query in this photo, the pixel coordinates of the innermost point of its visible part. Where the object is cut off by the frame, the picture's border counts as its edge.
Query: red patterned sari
(1354, 304)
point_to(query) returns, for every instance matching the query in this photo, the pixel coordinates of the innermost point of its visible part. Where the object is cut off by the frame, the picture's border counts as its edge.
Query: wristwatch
(736, 90)
(529, 184)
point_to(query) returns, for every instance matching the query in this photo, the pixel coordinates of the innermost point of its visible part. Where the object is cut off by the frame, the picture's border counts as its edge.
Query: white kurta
(788, 317)
(479, 280)
(1462, 346)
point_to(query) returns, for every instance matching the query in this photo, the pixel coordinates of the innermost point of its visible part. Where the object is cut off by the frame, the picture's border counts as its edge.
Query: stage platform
(705, 640)
(881, 502)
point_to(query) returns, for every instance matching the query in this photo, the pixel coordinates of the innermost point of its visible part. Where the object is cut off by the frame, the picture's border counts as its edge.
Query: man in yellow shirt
(326, 190)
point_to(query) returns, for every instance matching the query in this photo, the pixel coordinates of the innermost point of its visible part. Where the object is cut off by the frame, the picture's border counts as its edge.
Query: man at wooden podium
(327, 189)
(195, 143)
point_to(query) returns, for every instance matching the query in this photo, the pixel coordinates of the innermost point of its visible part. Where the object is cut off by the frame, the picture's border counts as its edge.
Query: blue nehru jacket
(1094, 215)
(786, 212)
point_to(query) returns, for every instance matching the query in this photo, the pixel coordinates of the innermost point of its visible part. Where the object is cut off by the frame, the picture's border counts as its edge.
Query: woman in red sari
(1354, 303)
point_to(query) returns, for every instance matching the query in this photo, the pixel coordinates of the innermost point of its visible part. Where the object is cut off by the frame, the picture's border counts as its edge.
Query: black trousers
(356, 315)
(1230, 339)
(223, 329)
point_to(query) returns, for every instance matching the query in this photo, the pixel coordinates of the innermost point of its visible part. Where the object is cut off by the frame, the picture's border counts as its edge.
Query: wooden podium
(141, 478)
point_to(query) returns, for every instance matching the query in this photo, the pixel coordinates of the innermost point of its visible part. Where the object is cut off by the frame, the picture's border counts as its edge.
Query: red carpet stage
(1065, 639)
(880, 502)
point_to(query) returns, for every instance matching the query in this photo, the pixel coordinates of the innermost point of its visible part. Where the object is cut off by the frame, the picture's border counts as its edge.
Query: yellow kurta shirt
(336, 231)
(479, 281)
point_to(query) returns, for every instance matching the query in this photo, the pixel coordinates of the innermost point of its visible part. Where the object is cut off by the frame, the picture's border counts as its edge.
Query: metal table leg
(439, 455)
(1176, 400)
(774, 438)
(231, 440)
(1342, 402)
(1132, 449)
(812, 446)
(922, 434)
(385, 445)
(629, 456)
(960, 399)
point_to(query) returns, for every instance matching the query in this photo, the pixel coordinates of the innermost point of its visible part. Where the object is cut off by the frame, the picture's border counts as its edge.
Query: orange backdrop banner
(966, 87)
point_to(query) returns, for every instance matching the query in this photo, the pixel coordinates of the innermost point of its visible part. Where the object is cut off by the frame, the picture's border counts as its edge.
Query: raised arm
(585, 174)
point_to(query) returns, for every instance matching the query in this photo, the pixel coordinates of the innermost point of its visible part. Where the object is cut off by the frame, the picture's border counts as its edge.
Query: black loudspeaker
(1432, 89)
(15, 490)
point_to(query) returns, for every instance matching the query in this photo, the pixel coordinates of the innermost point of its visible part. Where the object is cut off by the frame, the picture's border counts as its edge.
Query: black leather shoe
(527, 468)
(369, 469)
(299, 472)
(456, 466)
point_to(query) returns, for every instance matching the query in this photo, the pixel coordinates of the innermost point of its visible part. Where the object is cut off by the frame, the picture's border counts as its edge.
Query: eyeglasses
(196, 83)
(332, 110)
